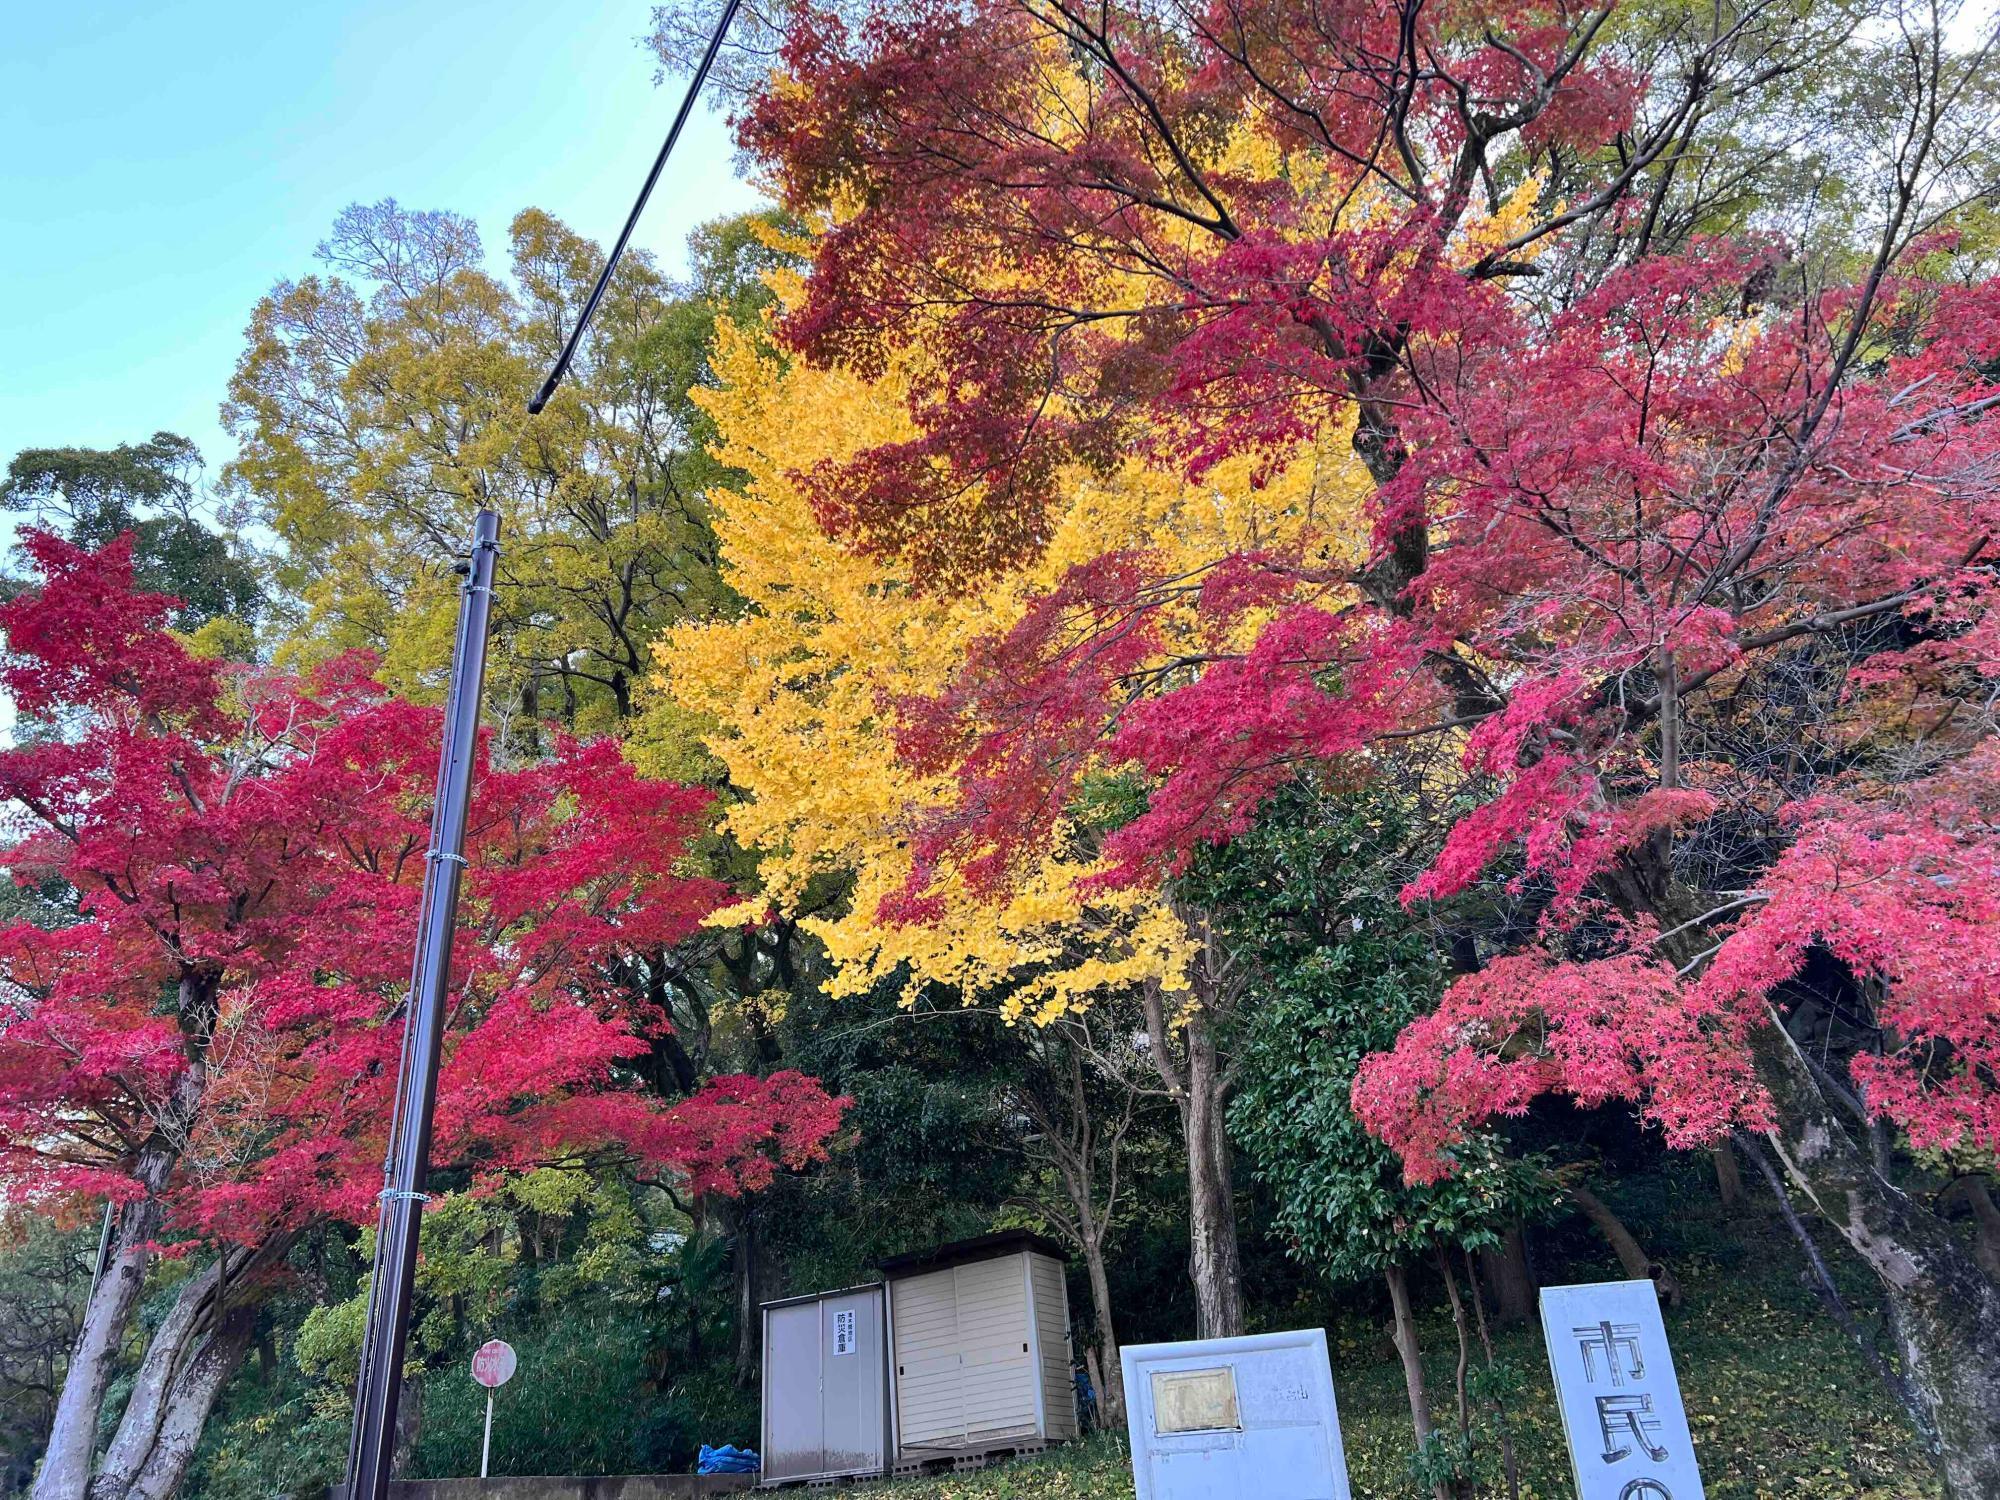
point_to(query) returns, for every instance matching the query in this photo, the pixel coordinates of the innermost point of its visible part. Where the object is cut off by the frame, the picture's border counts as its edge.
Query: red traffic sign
(493, 1363)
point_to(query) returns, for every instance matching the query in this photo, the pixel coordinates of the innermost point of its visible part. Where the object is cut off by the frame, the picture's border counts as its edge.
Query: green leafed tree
(151, 489)
(383, 398)
(1338, 969)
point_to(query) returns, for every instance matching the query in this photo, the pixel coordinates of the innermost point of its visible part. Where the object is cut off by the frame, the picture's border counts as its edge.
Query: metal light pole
(408, 1166)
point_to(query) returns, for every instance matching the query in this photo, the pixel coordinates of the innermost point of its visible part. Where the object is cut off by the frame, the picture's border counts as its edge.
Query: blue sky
(166, 162)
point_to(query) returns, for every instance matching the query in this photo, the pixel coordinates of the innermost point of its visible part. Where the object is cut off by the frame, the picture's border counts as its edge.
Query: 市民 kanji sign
(1621, 1405)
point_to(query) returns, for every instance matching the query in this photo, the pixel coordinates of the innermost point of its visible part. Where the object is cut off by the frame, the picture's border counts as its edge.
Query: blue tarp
(728, 1459)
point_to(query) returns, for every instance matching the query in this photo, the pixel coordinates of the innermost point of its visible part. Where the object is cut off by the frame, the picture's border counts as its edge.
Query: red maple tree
(212, 1046)
(1682, 551)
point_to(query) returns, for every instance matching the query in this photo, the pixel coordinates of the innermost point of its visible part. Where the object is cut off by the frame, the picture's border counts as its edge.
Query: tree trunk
(1200, 1092)
(1974, 1194)
(1728, 1177)
(409, 1427)
(1095, 1366)
(153, 1387)
(1631, 1255)
(1215, 1262)
(748, 1333)
(188, 1404)
(66, 1463)
(1403, 1330)
(1946, 1312)
(1111, 1382)
(1512, 1282)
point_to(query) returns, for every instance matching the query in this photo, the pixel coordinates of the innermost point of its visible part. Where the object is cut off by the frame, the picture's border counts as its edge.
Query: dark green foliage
(1338, 969)
(553, 1417)
(94, 495)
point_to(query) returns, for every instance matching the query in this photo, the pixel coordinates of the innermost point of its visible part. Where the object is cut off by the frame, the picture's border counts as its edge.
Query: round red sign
(493, 1363)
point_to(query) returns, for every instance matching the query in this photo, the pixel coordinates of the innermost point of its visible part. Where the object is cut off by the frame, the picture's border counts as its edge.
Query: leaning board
(1621, 1404)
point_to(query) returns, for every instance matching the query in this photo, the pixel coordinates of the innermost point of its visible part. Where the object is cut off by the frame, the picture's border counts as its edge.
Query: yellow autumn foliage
(796, 689)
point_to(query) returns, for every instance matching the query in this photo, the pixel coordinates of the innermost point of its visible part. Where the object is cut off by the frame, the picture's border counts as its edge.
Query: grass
(1780, 1405)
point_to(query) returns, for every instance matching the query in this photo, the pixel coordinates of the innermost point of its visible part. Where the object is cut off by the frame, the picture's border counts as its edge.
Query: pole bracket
(402, 1195)
(439, 854)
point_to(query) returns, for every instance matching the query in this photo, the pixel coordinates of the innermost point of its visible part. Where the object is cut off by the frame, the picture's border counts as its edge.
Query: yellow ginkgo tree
(798, 697)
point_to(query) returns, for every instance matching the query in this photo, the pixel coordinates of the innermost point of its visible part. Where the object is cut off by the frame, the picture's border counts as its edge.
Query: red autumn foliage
(1603, 524)
(940, 121)
(247, 850)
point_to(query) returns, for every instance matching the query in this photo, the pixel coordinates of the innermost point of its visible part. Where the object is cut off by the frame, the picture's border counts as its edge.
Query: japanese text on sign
(1621, 1405)
(843, 1331)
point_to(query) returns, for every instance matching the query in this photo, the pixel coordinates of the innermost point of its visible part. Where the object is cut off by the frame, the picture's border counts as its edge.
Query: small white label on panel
(844, 1341)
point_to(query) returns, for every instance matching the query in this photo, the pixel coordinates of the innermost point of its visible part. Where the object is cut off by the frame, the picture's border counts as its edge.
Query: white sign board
(493, 1363)
(1234, 1419)
(843, 1331)
(1621, 1405)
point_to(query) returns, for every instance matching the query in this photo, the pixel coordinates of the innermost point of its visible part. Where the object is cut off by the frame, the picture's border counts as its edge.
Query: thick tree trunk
(146, 1408)
(66, 1463)
(1632, 1256)
(1946, 1312)
(202, 1341)
(188, 1404)
(1508, 1275)
(1215, 1262)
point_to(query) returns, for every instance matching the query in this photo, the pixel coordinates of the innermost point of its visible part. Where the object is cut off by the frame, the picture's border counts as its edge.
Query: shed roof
(839, 1291)
(961, 1252)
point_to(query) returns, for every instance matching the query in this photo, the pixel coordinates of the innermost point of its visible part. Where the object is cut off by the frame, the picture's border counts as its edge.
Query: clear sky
(165, 162)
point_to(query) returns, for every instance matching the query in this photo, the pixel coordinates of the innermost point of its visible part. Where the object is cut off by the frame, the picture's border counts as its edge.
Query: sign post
(1621, 1405)
(492, 1366)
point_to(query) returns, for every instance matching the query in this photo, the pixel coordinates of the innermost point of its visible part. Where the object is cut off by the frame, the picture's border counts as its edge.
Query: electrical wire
(541, 397)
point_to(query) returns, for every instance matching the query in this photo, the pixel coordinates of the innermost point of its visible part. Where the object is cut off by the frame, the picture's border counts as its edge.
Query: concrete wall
(566, 1487)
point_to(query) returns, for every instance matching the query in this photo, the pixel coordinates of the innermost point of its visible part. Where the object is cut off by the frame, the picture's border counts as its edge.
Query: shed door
(994, 1337)
(794, 1424)
(852, 1425)
(962, 1362)
(930, 1409)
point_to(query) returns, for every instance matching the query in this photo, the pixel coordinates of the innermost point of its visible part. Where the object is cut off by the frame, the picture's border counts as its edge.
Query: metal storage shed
(826, 1388)
(979, 1347)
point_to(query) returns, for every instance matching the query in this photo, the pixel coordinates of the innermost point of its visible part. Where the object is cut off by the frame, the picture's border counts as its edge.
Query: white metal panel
(825, 1387)
(794, 1427)
(853, 1398)
(1277, 1432)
